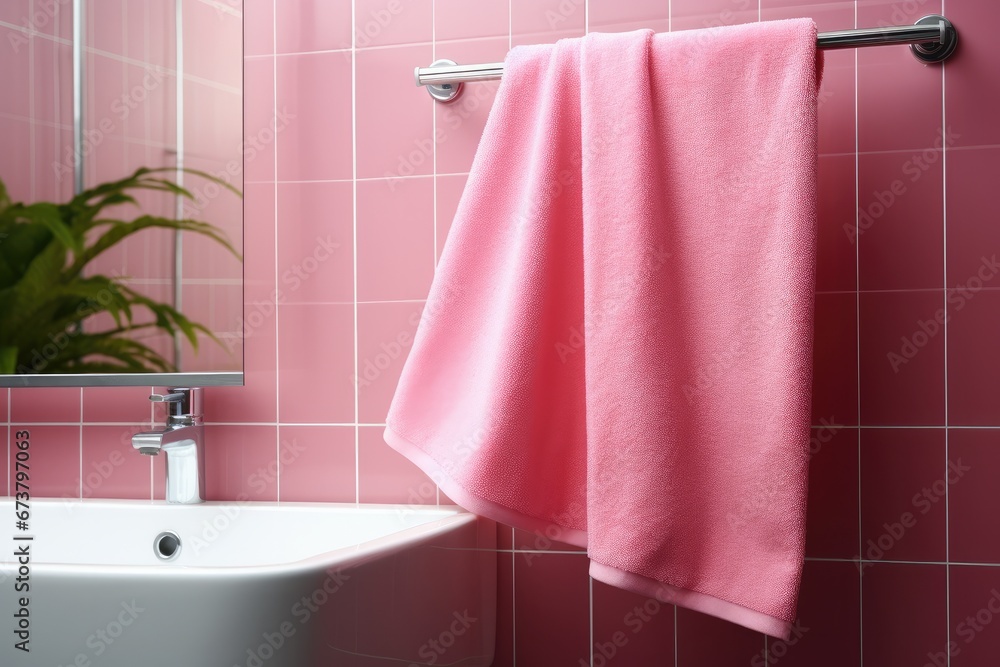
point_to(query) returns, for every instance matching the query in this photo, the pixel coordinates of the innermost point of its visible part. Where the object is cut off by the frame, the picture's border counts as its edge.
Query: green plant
(46, 298)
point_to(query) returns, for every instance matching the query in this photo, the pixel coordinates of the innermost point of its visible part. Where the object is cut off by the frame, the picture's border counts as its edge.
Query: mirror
(121, 221)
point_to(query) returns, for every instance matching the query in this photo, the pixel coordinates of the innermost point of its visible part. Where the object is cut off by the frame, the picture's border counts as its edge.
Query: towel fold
(616, 349)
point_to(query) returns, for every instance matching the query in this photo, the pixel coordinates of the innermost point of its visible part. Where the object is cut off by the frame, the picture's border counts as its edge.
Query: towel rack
(932, 39)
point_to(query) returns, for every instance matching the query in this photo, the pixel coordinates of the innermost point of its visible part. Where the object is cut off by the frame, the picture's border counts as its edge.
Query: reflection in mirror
(120, 212)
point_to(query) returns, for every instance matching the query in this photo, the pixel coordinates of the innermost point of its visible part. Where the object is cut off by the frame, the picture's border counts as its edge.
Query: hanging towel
(616, 349)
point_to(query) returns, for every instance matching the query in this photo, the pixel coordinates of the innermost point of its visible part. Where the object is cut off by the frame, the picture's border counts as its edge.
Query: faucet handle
(183, 405)
(177, 397)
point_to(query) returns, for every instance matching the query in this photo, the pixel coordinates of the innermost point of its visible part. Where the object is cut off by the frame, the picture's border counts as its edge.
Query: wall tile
(973, 357)
(385, 336)
(551, 602)
(832, 508)
(313, 25)
(503, 655)
(4, 405)
(827, 631)
(117, 404)
(111, 468)
(315, 343)
(461, 19)
(385, 476)
(316, 245)
(835, 359)
(545, 21)
(837, 219)
(45, 405)
(630, 629)
(317, 463)
(314, 108)
(974, 604)
(903, 491)
(54, 459)
(903, 611)
(395, 132)
(612, 16)
(973, 238)
(893, 88)
(696, 14)
(706, 640)
(973, 87)
(259, 120)
(901, 218)
(395, 239)
(902, 358)
(241, 463)
(258, 28)
(973, 503)
(388, 22)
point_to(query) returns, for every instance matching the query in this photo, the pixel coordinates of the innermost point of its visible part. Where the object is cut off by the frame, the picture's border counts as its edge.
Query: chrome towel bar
(932, 39)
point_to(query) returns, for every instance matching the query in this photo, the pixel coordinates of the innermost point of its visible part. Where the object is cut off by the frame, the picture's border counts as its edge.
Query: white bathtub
(251, 585)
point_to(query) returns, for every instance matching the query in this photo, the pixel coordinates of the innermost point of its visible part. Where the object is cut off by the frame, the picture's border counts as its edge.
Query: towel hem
(477, 504)
(707, 604)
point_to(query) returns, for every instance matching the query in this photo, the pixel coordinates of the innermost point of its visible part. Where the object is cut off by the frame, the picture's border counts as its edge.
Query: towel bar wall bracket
(932, 39)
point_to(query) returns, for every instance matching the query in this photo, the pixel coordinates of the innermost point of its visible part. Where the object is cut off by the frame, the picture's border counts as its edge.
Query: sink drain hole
(167, 545)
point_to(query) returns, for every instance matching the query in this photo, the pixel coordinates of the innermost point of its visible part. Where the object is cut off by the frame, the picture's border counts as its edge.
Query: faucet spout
(182, 442)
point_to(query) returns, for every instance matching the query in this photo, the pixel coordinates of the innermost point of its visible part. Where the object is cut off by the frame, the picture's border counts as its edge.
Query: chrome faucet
(183, 443)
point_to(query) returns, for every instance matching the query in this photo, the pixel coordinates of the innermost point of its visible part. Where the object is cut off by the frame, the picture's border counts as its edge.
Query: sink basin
(127, 583)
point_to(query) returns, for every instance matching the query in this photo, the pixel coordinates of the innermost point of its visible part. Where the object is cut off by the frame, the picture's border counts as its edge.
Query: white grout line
(354, 246)
(857, 324)
(80, 442)
(590, 602)
(944, 329)
(277, 269)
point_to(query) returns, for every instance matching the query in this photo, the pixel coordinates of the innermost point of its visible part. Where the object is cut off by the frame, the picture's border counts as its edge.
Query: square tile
(903, 612)
(53, 457)
(386, 476)
(612, 16)
(129, 405)
(111, 467)
(546, 21)
(461, 19)
(701, 14)
(241, 463)
(902, 358)
(316, 463)
(388, 22)
(904, 484)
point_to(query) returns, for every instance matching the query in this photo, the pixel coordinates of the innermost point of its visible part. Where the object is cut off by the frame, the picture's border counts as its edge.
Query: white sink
(251, 585)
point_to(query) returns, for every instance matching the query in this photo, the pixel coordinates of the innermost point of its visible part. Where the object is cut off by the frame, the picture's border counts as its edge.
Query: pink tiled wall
(348, 202)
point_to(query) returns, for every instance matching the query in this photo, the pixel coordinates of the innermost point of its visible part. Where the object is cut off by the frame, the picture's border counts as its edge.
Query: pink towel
(616, 350)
